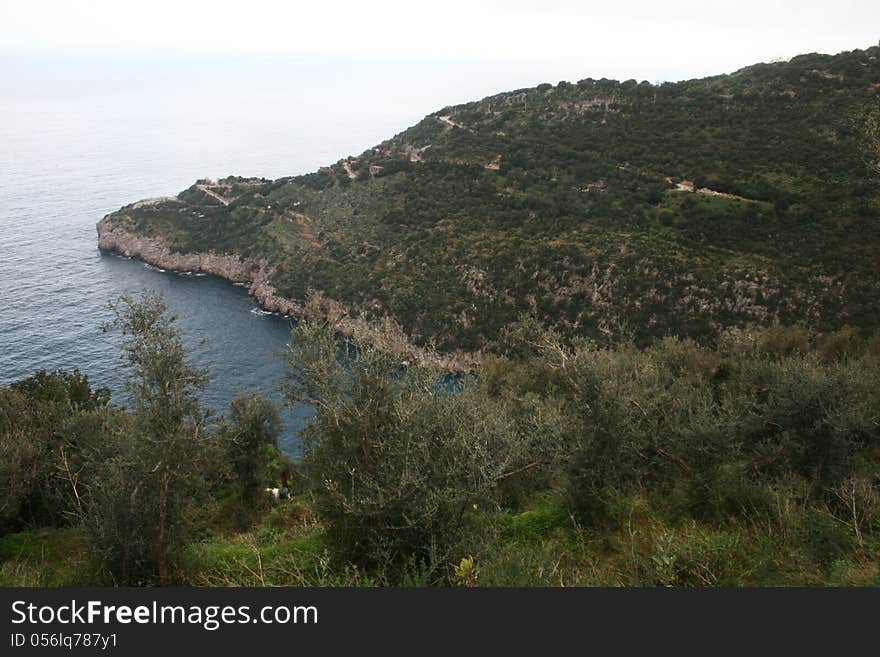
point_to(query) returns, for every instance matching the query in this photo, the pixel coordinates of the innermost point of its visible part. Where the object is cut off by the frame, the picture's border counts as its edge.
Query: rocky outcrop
(115, 237)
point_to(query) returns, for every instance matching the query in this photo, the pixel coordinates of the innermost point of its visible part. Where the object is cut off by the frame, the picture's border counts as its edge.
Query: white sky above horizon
(550, 39)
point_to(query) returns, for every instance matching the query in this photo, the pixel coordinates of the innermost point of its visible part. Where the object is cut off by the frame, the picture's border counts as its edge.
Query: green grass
(285, 548)
(44, 557)
(539, 546)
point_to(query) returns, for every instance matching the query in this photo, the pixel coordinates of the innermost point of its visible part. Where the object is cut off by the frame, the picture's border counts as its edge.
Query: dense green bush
(397, 463)
(774, 426)
(247, 449)
(47, 422)
(723, 431)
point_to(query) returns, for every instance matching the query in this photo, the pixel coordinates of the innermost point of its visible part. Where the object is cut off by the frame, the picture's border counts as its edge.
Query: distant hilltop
(602, 208)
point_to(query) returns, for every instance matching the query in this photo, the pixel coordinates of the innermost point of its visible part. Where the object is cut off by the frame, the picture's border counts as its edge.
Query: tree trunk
(161, 548)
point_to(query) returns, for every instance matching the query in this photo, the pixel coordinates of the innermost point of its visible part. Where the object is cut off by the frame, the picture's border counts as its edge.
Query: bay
(77, 142)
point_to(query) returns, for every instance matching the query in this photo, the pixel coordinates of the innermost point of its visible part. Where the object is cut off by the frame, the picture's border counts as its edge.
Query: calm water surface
(70, 153)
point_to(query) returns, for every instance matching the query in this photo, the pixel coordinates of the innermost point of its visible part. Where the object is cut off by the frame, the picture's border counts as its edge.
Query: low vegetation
(754, 462)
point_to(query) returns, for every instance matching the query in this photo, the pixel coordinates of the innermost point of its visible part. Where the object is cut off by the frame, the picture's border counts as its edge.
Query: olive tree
(47, 423)
(143, 499)
(247, 445)
(397, 464)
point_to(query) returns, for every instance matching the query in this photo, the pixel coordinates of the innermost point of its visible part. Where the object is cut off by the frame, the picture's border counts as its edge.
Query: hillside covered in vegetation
(599, 207)
(669, 300)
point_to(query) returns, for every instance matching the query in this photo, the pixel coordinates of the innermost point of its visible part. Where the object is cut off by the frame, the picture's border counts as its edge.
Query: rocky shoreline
(386, 335)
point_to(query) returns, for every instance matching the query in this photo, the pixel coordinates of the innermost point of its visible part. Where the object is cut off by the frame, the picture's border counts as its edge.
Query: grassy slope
(537, 546)
(561, 201)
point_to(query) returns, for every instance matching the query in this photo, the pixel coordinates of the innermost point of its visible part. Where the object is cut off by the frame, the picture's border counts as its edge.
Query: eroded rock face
(387, 335)
(117, 239)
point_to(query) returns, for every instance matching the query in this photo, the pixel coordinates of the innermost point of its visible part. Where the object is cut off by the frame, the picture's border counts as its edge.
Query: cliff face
(386, 335)
(117, 239)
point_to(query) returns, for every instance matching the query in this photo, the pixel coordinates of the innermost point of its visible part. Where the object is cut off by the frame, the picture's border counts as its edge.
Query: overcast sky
(645, 40)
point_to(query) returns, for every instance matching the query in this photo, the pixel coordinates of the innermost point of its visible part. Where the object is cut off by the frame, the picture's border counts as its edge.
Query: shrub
(397, 465)
(248, 444)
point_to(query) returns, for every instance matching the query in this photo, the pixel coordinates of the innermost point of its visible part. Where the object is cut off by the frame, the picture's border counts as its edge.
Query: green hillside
(572, 202)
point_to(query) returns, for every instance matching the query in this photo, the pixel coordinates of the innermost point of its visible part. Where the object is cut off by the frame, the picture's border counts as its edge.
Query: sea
(81, 137)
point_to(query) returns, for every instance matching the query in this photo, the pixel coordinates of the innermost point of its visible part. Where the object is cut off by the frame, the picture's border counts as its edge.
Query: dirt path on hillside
(688, 186)
(351, 174)
(447, 120)
(214, 194)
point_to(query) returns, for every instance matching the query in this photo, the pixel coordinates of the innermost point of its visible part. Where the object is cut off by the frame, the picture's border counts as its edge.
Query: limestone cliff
(386, 335)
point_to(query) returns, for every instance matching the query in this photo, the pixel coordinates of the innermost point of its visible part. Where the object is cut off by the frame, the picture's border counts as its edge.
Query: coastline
(386, 334)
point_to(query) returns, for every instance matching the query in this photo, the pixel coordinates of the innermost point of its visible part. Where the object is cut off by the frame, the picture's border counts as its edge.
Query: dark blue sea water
(75, 148)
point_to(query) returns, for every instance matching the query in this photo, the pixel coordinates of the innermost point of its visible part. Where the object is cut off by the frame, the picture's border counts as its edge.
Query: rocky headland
(386, 334)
